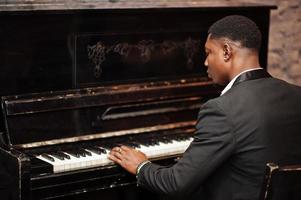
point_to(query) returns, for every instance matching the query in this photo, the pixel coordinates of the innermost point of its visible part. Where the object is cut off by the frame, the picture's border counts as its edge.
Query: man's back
(266, 118)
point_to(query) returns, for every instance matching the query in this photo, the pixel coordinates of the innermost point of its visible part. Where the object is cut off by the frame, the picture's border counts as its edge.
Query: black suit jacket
(257, 121)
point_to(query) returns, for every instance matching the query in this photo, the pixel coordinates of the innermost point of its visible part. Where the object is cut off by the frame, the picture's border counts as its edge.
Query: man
(257, 119)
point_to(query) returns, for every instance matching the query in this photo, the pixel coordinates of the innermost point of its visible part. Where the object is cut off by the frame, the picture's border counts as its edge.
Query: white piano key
(99, 159)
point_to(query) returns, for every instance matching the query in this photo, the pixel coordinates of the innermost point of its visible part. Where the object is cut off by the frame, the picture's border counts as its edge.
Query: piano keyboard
(95, 156)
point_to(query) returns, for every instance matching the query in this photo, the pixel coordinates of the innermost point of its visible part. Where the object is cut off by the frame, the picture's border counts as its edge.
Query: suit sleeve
(213, 143)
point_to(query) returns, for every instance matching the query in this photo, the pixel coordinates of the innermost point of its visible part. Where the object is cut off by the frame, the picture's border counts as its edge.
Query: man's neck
(247, 61)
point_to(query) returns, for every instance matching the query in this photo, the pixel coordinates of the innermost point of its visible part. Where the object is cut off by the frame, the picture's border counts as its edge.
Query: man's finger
(126, 148)
(114, 158)
(116, 149)
(117, 154)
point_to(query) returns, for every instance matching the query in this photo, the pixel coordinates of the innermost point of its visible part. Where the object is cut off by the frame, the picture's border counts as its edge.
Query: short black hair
(237, 28)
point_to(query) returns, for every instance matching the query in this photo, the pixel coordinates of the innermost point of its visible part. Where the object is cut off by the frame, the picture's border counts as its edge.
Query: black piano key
(48, 157)
(73, 153)
(80, 153)
(56, 155)
(94, 150)
(170, 140)
(61, 153)
(108, 146)
(144, 143)
(153, 142)
(86, 153)
(128, 144)
(177, 138)
(102, 150)
(166, 140)
(97, 150)
(133, 144)
(182, 137)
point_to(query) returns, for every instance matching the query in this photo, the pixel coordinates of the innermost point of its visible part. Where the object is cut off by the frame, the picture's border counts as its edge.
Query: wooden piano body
(100, 73)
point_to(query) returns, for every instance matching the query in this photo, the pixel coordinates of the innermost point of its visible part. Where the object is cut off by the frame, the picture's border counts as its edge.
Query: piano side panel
(15, 175)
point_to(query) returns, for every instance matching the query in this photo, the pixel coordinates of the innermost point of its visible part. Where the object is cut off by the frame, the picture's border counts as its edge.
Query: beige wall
(285, 41)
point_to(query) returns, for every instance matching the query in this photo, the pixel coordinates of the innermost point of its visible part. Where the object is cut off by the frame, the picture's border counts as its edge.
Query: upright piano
(79, 77)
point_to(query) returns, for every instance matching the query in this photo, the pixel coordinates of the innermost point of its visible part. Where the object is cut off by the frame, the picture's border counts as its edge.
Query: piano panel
(123, 56)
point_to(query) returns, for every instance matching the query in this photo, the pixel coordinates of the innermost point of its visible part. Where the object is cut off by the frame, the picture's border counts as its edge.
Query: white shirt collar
(230, 84)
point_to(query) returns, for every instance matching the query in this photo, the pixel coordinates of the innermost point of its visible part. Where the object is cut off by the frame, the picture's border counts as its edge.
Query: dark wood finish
(75, 73)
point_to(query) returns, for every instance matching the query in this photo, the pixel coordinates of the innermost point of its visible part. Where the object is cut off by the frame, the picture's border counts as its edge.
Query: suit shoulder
(260, 85)
(215, 104)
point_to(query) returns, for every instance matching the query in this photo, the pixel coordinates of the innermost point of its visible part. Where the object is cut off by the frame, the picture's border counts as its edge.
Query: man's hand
(127, 157)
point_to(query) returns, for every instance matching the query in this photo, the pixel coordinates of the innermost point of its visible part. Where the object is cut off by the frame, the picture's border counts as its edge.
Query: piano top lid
(40, 5)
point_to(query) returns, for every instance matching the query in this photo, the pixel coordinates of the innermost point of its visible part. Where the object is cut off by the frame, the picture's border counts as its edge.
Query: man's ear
(227, 51)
